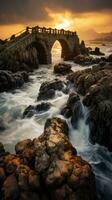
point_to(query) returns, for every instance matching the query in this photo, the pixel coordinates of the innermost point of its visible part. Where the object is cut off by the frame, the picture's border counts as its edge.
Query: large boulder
(47, 89)
(85, 60)
(62, 69)
(9, 81)
(67, 176)
(55, 173)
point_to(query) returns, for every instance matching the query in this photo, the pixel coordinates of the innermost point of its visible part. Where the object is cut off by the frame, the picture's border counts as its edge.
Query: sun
(65, 24)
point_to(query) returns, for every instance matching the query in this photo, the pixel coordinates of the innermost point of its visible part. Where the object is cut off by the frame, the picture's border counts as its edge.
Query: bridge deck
(26, 34)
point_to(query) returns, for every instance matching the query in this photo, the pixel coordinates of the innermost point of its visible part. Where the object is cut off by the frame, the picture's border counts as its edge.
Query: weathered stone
(97, 52)
(10, 188)
(56, 169)
(33, 110)
(86, 60)
(96, 86)
(37, 49)
(26, 195)
(21, 146)
(9, 81)
(62, 69)
(73, 109)
(2, 176)
(47, 89)
(2, 150)
(34, 182)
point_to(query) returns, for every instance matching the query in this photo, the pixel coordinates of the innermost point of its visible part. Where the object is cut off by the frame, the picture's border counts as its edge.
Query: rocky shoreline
(46, 168)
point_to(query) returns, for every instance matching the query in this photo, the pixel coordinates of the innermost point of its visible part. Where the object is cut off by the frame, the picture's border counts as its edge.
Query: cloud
(26, 11)
(22, 11)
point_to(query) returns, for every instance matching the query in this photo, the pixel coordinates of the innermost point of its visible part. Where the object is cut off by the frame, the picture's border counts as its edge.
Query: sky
(83, 16)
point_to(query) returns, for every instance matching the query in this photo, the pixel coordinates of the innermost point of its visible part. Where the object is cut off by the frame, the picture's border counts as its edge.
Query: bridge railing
(55, 31)
(31, 30)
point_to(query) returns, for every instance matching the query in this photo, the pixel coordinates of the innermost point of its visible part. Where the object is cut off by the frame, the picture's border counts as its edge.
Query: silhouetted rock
(83, 49)
(62, 69)
(97, 52)
(33, 110)
(86, 60)
(110, 58)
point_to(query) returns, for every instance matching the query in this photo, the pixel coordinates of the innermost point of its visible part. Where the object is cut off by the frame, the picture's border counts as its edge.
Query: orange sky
(97, 21)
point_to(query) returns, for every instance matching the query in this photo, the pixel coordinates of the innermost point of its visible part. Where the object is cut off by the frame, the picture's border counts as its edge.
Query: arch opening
(41, 52)
(56, 52)
(60, 51)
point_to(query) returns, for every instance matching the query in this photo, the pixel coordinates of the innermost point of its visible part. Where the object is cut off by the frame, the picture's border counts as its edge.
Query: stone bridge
(37, 43)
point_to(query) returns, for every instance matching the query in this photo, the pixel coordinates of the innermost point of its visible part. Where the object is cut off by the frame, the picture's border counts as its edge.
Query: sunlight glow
(56, 52)
(64, 25)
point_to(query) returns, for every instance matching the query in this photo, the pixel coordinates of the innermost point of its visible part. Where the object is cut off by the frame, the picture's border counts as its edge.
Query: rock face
(26, 60)
(62, 69)
(33, 110)
(9, 81)
(46, 168)
(47, 89)
(96, 86)
(73, 109)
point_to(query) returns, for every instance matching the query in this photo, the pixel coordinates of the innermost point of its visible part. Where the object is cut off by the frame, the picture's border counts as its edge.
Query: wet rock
(62, 171)
(11, 163)
(57, 172)
(10, 188)
(99, 99)
(2, 176)
(47, 89)
(96, 86)
(21, 146)
(27, 152)
(34, 181)
(3, 126)
(23, 177)
(9, 81)
(2, 150)
(62, 69)
(77, 114)
(97, 52)
(33, 110)
(73, 109)
(110, 58)
(85, 60)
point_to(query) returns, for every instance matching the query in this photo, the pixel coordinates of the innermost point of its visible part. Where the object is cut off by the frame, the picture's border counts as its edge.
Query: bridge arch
(42, 52)
(65, 48)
